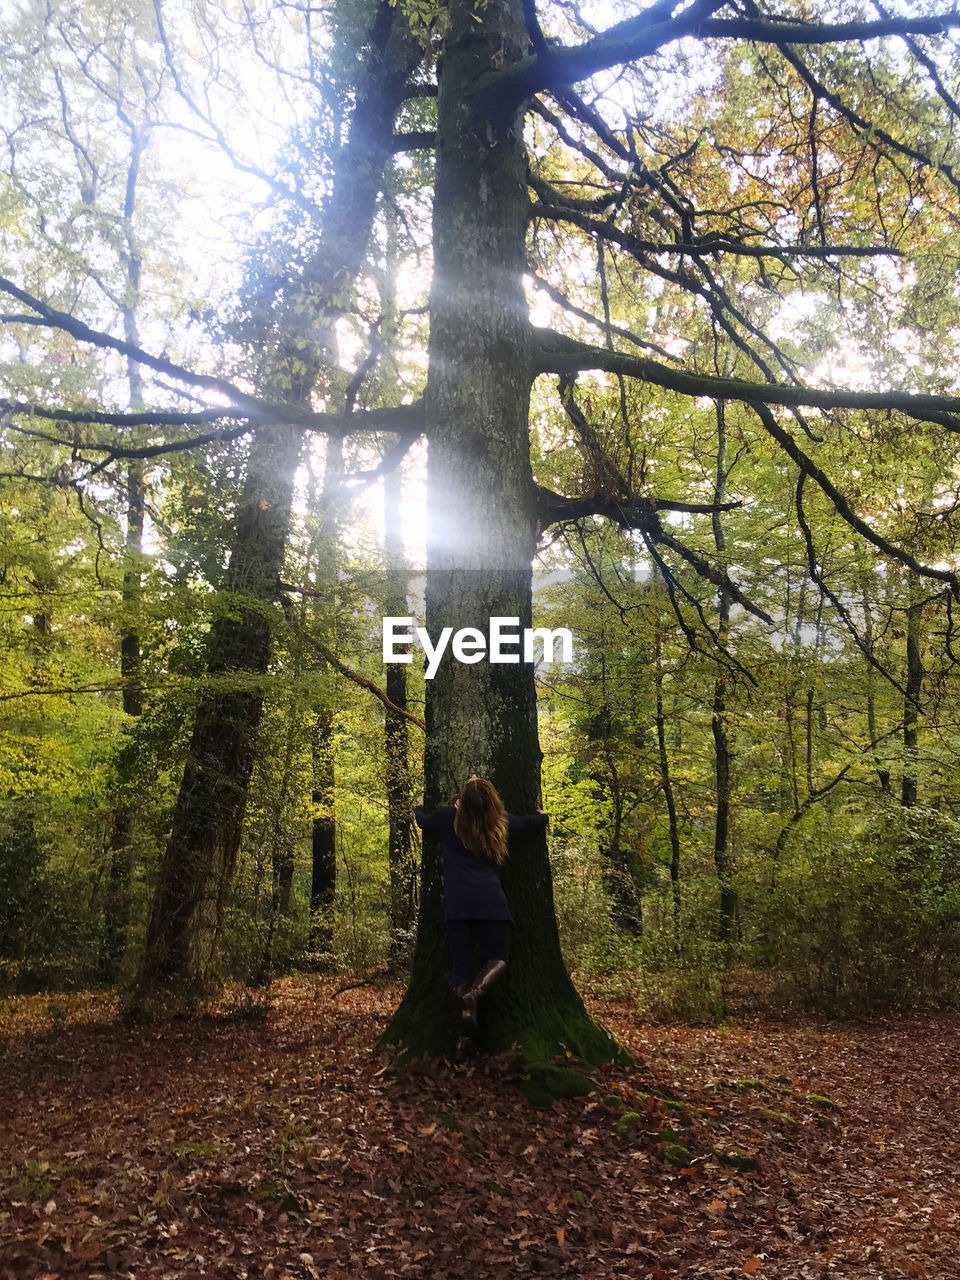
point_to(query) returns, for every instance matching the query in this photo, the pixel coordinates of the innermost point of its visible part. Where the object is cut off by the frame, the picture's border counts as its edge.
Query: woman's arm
(427, 821)
(526, 821)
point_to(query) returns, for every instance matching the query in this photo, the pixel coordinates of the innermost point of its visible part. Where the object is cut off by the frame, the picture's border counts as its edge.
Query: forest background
(736, 234)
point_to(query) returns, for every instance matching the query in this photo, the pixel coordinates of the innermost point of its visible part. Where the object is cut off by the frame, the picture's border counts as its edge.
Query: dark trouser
(491, 938)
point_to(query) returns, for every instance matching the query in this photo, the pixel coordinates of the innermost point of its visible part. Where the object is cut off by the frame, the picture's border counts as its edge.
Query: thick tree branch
(708, 571)
(245, 405)
(405, 420)
(639, 37)
(770, 31)
(556, 353)
(500, 94)
(103, 417)
(673, 586)
(84, 333)
(863, 125)
(413, 140)
(563, 301)
(708, 289)
(817, 576)
(640, 512)
(629, 513)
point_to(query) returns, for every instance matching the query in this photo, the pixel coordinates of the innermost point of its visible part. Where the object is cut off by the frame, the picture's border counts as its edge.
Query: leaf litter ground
(280, 1145)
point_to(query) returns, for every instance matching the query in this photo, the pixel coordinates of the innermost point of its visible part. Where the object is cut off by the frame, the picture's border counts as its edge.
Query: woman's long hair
(481, 820)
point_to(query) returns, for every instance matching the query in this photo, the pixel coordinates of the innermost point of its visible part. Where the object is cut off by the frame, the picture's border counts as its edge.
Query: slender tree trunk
(728, 905)
(403, 869)
(117, 906)
(790, 782)
(323, 836)
(883, 774)
(323, 882)
(281, 859)
(911, 700)
(622, 874)
(401, 846)
(201, 853)
(482, 536)
(666, 786)
(810, 703)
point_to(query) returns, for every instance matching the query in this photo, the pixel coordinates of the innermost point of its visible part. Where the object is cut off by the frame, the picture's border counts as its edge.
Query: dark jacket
(471, 883)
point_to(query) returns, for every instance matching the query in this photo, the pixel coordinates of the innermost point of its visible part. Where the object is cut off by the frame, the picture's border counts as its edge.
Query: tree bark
(281, 860)
(201, 853)
(481, 541)
(323, 836)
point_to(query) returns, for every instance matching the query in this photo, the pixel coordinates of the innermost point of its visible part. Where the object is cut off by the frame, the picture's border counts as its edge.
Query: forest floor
(254, 1143)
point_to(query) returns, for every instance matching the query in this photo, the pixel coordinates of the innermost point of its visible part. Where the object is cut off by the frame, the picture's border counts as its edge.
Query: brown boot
(466, 1000)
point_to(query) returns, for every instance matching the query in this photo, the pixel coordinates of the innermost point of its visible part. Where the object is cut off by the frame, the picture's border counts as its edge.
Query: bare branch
(104, 417)
(842, 506)
(571, 211)
(329, 656)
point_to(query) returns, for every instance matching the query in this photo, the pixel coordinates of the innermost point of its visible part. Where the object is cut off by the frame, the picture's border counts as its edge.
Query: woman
(473, 842)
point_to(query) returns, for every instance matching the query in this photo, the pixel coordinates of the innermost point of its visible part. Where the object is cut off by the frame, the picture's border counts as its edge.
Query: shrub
(870, 917)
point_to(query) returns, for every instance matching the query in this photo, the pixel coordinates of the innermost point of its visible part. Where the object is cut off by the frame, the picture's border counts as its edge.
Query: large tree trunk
(200, 856)
(208, 820)
(481, 541)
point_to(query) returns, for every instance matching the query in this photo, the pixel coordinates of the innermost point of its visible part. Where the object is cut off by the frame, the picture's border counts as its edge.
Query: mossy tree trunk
(482, 537)
(198, 865)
